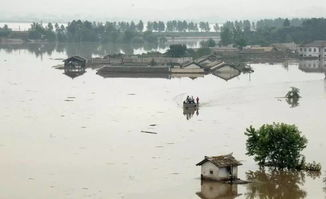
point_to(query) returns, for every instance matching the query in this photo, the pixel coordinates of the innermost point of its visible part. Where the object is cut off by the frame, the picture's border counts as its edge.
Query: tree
(209, 43)
(293, 93)
(216, 27)
(226, 36)
(278, 145)
(177, 50)
(286, 22)
(140, 26)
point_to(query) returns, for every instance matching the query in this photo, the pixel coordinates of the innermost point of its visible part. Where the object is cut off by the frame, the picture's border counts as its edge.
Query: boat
(190, 103)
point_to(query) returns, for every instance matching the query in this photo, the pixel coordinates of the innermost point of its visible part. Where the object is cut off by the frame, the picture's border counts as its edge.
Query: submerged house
(219, 168)
(226, 72)
(188, 68)
(74, 66)
(208, 62)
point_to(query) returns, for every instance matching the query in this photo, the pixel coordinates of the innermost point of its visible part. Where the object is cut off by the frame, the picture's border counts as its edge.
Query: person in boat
(188, 99)
(197, 100)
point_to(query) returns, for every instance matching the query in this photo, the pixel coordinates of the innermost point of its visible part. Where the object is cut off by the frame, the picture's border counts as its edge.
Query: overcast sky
(162, 9)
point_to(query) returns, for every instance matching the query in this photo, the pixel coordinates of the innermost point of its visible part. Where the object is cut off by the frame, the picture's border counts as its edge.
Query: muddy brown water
(81, 138)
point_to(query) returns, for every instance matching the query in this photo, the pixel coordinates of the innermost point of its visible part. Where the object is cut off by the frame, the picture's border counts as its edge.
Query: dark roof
(221, 161)
(77, 58)
(318, 43)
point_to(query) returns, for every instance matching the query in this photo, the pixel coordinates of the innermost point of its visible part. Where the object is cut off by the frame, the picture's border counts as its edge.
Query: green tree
(278, 145)
(140, 26)
(177, 50)
(226, 36)
(216, 27)
(207, 44)
(286, 22)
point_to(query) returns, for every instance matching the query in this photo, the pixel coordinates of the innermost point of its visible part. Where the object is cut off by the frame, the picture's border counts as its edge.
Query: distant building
(75, 61)
(208, 62)
(226, 72)
(219, 168)
(74, 66)
(316, 49)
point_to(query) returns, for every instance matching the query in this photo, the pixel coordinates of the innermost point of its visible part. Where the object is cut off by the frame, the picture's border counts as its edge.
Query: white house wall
(218, 173)
(311, 51)
(205, 171)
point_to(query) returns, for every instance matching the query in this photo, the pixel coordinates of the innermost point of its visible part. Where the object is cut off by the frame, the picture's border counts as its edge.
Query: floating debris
(149, 132)
(131, 94)
(153, 125)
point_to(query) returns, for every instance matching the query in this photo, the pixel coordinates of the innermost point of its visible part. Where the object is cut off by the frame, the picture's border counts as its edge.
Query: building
(208, 62)
(226, 72)
(219, 168)
(188, 68)
(316, 49)
(75, 61)
(74, 66)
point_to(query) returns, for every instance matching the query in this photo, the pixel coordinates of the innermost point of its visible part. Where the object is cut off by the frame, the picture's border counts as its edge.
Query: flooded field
(87, 137)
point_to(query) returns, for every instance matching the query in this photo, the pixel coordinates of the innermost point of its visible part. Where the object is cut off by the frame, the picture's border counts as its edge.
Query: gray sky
(214, 10)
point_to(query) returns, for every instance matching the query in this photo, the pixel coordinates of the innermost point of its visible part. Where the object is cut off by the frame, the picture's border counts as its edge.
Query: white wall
(309, 51)
(218, 173)
(206, 168)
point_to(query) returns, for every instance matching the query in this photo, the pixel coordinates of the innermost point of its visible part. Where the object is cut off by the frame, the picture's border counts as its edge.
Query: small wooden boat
(190, 105)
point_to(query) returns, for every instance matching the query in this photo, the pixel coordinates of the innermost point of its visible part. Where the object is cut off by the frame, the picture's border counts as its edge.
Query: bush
(278, 145)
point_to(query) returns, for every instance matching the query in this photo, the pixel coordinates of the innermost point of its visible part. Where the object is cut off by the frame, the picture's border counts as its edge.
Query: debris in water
(149, 132)
(131, 94)
(153, 125)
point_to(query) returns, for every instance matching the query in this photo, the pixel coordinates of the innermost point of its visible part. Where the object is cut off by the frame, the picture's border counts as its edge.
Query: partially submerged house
(315, 49)
(226, 72)
(208, 62)
(75, 62)
(74, 66)
(188, 68)
(219, 168)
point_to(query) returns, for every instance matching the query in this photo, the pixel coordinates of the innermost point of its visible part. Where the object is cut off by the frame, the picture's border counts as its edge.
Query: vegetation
(5, 31)
(207, 44)
(293, 96)
(293, 93)
(180, 50)
(265, 32)
(177, 50)
(277, 145)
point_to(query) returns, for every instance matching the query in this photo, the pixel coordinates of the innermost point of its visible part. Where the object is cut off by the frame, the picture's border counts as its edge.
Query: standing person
(197, 100)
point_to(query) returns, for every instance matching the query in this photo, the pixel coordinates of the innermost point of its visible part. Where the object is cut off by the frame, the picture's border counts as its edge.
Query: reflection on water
(293, 102)
(86, 49)
(190, 112)
(276, 184)
(313, 66)
(218, 190)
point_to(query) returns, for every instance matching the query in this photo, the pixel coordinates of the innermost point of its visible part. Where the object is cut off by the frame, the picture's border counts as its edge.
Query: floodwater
(95, 137)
